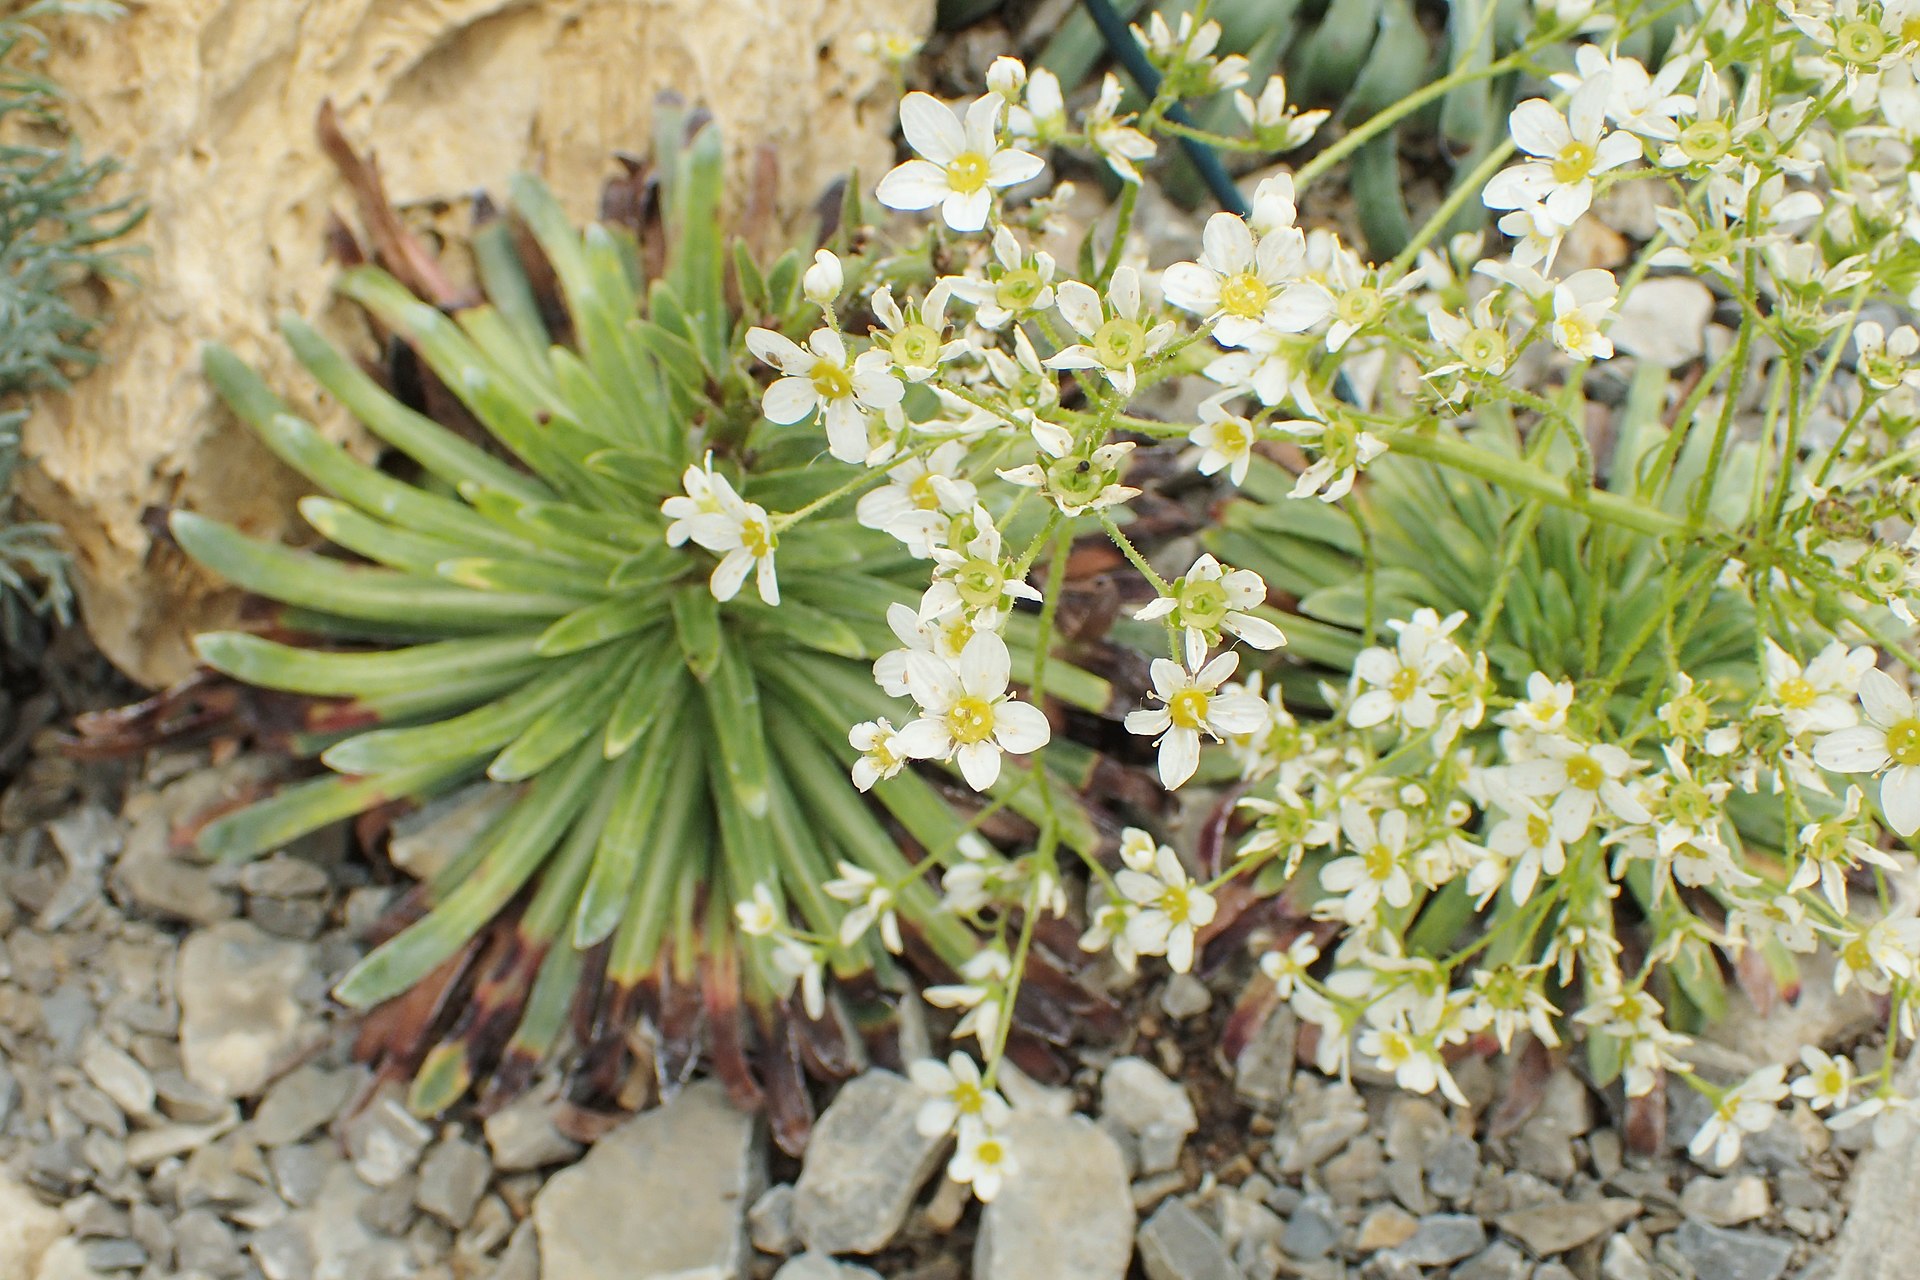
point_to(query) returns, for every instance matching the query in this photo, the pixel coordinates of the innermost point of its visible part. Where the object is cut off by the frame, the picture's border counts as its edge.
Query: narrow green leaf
(314, 582)
(696, 620)
(313, 671)
(733, 705)
(596, 624)
(307, 806)
(643, 781)
(581, 714)
(352, 529)
(516, 849)
(655, 688)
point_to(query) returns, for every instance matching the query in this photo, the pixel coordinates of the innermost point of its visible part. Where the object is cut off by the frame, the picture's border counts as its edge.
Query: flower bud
(823, 279)
(1007, 77)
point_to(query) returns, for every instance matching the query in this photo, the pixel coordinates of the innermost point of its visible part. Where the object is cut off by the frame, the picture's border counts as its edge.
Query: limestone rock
(31, 1229)
(243, 1012)
(662, 1197)
(1066, 1211)
(865, 1163)
(211, 106)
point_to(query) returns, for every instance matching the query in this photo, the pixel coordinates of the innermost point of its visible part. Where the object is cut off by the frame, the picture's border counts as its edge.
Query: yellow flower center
(990, 1152)
(1188, 708)
(1705, 141)
(921, 493)
(1119, 342)
(1245, 295)
(1379, 861)
(967, 172)
(1574, 163)
(1860, 42)
(1359, 306)
(1583, 772)
(970, 720)
(968, 1098)
(1797, 693)
(917, 345)
(1539, 831)
(831, 381)
(1176, 903)
(757, 538)
(1484, 349)
(1903, 742)
(1405, 683)
(956, 631)
(1575, 332)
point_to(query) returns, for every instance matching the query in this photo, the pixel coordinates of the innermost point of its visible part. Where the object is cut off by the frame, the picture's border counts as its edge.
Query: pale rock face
(212, 108)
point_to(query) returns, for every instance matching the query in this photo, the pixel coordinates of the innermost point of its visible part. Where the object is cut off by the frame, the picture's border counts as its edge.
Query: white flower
(985, 973)
(823, 280)
(819, 377)
(1109, 134)
(1886, 360)
(972, 579)
(713, 516)
(1170, 908)
(961, 165)
(957, 1096)
(1819, 697)
(982, 1161)
(1275, 125)
(1211, 599)
(1747, 1107)
(797, 962)
(1019, 285)
(1079, 483)
(1525, 837)
(873, 904)
(1568, 151)
(1286, 969)
(966, 714)
(1249, 286)
(1226, 442)
(920, 498)
(1828, 1082)
(1582, 308)
(1583, 779)
(1642, 104)
(1414, 1061)
(1544, 709)
(1342, 449)
(1478, 343)
(1830, 848)
(1374, 871)
(912, 338)
(1893, 1116)
(1007, 76)
(1193, 706)
(1116, 340)
(1890, 740)
(881, 755)
(758, 917)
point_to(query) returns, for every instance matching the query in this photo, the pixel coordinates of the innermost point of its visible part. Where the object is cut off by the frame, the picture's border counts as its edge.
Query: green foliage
(517, 615)
(55, 230)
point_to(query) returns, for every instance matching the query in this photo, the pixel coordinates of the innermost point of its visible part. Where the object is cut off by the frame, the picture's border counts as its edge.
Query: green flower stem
(1133, 556)
(1122, 225)
(1525, 478)
(1463, 191)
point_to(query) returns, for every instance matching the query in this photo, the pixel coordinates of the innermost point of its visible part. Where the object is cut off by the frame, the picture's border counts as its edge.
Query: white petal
(1191, 287)
(1884, 701)
(1226, 243)
(985, 666)
(924, 739)
(730, 573)
(1020, 727)
(967, 211)
(1861, 749)
(1080, 305)
(1536, 128)
(931, 128)
(913, 185)
(979, 764)
(1011, 168)
(778, 350)
(1900, 799)
(789, 400)
(1179, 757)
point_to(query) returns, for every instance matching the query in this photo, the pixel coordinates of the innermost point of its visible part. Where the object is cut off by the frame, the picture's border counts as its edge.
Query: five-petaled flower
(961, 164)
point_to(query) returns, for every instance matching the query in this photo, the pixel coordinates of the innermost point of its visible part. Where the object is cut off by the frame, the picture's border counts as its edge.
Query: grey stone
(384, 1141)
(299, 1102)
(1726, 1202)
(1185, 996)
(818, 1266)
(282, 1252)
(1153, 1108)
(1407, 1183)
(1455, 1168)
(1553, 1271)
(1716, 1253)
(9, 1093)
(1415, 1128)
(1621, 1261)
(202, 1242)
(243, 1007)
(31, 1228)
(1263, 1073)
(1664, 320)
(520, 1260)
(522, 1136)
(1065, 1211)
(283, 877)
(86, 837)
(343, 1246)
(115, 1073)
(1176, 1245)
(299, 1171)
(453, 1177)
(1324, 1119)
(181, 1099)
(770, 1221)
(865, 1163)
(389, 1210)
(163, 884)
(426, 840)
(1313, 1231)
(1389, 1266)
(1386, 1226)
(1548, 1229)
(663, 1195)
(1801, 1190)
(1498, 1261)
(1442, 1238)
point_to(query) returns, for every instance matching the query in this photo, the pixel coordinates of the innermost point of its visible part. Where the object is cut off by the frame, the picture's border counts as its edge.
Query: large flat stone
(662, 1197)
(865, 1164)
(1066, 1211)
